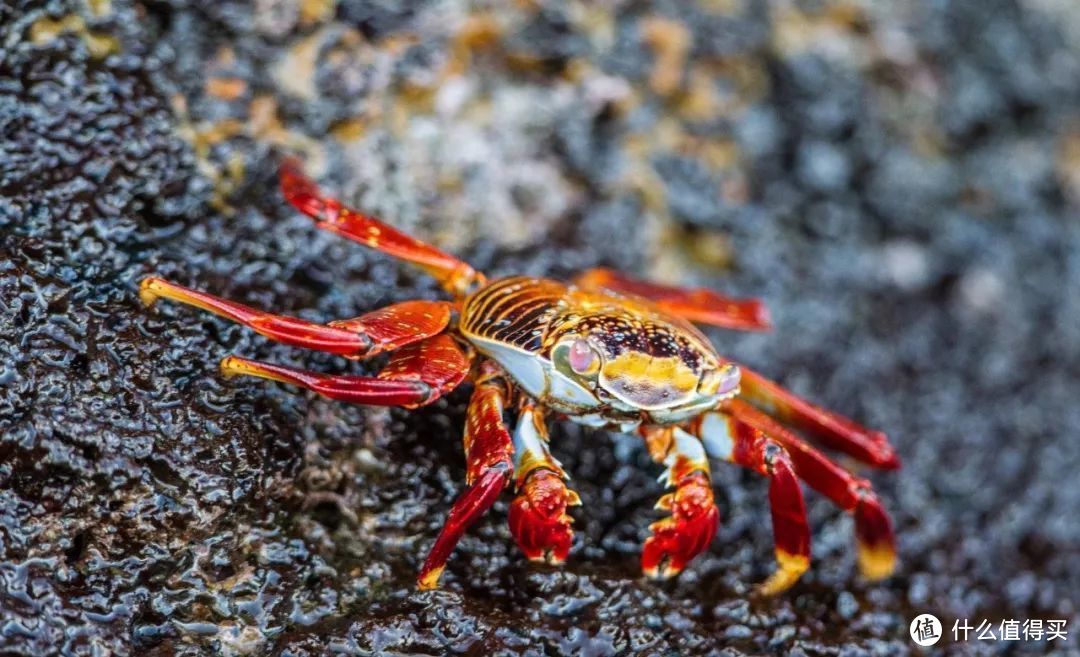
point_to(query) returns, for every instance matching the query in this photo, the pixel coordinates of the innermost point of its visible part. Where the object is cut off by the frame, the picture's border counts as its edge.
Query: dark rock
(691, 190)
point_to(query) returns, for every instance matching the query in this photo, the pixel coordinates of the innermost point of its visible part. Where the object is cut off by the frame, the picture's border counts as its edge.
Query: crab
(604, 350)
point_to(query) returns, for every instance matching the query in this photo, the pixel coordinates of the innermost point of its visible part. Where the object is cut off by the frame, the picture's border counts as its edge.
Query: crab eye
(723, 381)
(577, 359)
(582, 358)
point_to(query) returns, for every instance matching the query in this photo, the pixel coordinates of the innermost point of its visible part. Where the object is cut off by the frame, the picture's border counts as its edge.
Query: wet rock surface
(901, 183)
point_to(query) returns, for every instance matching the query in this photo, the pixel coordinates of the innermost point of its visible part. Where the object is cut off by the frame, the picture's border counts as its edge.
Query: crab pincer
(693, 519)
(538, 518)
(686, 533)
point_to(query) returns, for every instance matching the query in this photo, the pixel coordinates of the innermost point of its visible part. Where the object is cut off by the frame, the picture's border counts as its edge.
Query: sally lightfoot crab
(603, 350)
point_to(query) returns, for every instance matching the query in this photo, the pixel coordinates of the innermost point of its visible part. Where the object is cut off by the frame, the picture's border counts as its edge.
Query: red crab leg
(833, 429)
(456, 276)
(538, 518)
(695, 304)
(873, 529)
(733, 440)
(488, 454)
(416, 375)
(690, 528)
(375, 332)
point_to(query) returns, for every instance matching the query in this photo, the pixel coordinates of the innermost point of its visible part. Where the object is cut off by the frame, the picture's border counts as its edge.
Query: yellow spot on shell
(648, 381)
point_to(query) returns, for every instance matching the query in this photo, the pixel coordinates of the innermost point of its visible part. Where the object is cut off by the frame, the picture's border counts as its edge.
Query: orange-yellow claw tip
(231, 366)
(789, 568)
(876, 562)
(430, 580)
(572, 499)
(146, 291)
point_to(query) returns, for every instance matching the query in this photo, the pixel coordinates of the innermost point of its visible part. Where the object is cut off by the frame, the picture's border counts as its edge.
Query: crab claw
(686, 533)
(538, 518)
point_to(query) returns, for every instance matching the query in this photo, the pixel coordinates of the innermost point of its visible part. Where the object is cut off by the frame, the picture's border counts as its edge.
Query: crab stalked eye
(582, 358)
(722, 382)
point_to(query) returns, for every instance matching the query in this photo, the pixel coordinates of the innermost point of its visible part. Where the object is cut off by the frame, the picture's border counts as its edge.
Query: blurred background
(899, 181)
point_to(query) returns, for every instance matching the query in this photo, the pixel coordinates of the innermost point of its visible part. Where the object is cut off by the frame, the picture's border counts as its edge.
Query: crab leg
(873, 529)
(694, 304)
(833, 429)
(488, 454)
(735, 441)
(375, 332)
(416, 375)
(690, 528)
(456, 276)
(538, 518)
